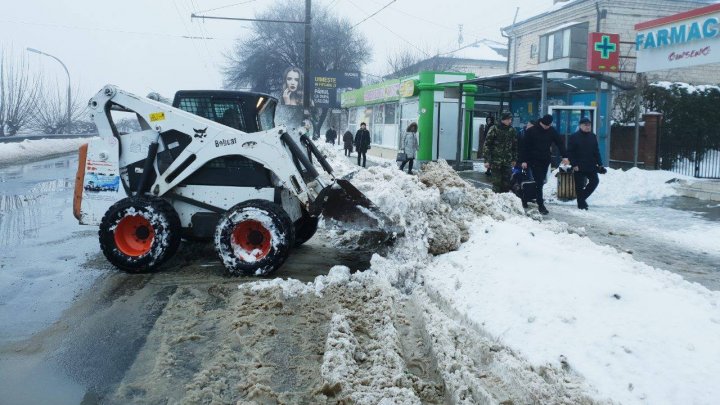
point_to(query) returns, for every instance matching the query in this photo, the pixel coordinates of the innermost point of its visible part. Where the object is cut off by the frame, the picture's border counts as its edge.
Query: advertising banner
(327, 87)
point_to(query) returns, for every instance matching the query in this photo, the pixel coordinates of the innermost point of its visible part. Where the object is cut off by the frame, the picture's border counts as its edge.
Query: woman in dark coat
(362, 143)
(348, 142)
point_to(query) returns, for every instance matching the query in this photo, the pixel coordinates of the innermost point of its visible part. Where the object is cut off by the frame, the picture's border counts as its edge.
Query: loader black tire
(254, 238)
(305, 229)
(138, 234)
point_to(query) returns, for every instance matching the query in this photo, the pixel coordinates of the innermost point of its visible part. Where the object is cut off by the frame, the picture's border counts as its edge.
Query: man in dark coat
(362, 143)
(584, 155)
(330, 135)
(536, 154)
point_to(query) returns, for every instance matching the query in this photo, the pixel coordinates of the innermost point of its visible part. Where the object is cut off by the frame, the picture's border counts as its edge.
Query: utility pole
(306, 70)
(308, 39)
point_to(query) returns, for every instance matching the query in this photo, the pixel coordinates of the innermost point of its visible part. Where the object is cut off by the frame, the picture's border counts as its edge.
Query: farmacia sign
(681, 40)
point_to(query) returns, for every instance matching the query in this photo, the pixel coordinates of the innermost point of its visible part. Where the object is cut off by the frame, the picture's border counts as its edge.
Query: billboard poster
(327, 87)
(293, 87)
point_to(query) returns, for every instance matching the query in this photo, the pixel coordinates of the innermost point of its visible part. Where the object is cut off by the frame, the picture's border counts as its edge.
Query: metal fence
(698, 163)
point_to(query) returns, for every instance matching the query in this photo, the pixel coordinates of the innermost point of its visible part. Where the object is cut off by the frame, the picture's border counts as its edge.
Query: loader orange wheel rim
(252, 236)
(134, 235)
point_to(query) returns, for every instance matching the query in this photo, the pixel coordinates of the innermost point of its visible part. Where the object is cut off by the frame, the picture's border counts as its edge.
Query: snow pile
(432, 207)
(630, 330)
(618, 187)
(637, 334)
(15, 152)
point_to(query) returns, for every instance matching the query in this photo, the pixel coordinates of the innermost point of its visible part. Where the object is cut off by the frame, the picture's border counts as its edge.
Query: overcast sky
(142, 45)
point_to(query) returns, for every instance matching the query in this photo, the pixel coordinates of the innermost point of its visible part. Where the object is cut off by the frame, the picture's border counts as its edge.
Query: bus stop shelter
(566, 94)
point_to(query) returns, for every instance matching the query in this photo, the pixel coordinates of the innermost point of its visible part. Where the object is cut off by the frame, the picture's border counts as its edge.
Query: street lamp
(69, 106)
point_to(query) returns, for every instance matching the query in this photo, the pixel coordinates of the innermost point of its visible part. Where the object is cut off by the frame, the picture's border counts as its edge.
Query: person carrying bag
(409, 147)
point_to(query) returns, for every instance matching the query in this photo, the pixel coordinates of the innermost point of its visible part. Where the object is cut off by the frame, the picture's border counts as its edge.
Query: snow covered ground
(636, 334)
(476, 303)
(614, 202)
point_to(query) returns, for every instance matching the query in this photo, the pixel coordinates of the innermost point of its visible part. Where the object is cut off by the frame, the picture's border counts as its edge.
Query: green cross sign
(605, 47)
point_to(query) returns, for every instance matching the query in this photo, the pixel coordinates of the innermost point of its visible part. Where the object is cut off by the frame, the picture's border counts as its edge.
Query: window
(379, 109)
(390, 113)
(570, 42)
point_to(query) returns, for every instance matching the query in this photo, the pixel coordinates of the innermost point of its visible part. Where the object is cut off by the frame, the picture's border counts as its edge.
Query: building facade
(430, 99)
(557, 39)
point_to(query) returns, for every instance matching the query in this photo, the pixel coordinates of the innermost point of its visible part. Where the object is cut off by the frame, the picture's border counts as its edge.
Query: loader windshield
(244, 111)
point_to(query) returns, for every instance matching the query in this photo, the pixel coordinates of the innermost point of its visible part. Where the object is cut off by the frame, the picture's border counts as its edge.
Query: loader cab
(243, 110)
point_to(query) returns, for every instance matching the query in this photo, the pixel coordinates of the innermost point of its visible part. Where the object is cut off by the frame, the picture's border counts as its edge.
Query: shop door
(566, 120)
(446, 131)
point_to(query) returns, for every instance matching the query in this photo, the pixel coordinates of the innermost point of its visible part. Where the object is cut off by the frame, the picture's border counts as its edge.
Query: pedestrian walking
(535, 154)
(489, 123)
(500, 151)
(584, 155)
(348, 142)
(362, 143)
(330, 135)
(410, 146)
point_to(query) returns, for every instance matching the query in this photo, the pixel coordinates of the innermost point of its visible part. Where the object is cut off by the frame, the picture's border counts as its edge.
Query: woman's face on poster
(292, 80)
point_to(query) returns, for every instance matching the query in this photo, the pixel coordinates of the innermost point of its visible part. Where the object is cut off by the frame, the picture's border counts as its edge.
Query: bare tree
(259, 60)
(401, 60)
(406, 62)
(51, 114)
(19, 93)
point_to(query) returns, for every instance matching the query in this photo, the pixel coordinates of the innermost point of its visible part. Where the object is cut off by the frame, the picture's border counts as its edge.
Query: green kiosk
(428, 98)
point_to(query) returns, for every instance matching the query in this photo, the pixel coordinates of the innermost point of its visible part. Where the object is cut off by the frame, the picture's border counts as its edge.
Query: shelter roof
(558, 81)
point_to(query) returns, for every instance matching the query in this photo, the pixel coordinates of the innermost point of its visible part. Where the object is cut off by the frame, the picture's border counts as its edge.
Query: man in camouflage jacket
(500, 151)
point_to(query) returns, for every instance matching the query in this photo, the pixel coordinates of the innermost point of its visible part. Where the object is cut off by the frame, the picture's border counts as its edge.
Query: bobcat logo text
(200, 133)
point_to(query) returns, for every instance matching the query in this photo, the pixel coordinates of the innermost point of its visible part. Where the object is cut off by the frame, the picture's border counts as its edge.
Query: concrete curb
(702, 190)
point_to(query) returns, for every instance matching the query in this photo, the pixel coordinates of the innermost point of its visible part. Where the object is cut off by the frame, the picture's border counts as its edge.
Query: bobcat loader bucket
(348, 209)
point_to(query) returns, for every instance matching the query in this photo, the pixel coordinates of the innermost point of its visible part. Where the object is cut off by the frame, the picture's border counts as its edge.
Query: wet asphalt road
(72, 324)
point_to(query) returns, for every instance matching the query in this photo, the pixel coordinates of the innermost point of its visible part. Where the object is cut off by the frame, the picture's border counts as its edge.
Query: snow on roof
(556, 6)
(559, 27)
(689, 87)
(479, 50)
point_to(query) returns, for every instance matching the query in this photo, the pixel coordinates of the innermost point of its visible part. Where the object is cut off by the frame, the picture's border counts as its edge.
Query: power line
(391, 31)
(374, 14)
(74, 27)
(182, 21)
(203, 33)
(229, 5)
